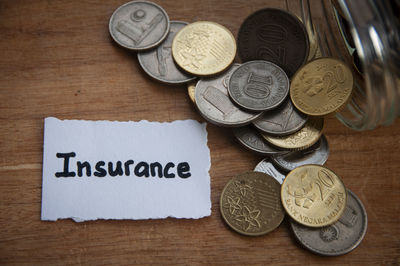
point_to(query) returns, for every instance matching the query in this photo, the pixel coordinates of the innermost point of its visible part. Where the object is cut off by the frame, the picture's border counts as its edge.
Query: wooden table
(57, 59)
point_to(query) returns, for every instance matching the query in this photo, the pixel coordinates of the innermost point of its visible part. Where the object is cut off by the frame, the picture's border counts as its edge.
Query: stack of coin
(325, 217)
(288, 136)
(275, 103)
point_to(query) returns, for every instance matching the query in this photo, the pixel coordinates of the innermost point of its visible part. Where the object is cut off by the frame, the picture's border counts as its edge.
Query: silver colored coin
(139, 25)
(339, 238)
(316, 154)
(158, 62)
(252, 140)
(268, 168)
(214, 105)
(284, 120)
(258, 86)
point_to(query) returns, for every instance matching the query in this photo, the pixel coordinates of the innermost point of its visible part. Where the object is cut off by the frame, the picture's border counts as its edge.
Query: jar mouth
(365, 35)
(374, 45)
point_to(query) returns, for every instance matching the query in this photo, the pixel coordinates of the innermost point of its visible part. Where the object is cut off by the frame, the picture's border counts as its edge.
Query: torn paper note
(125, 170)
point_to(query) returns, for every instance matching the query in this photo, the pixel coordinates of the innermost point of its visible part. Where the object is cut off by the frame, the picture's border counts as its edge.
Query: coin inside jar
(339, 238)
(322, 86)
(258, 86)
(158, 62)
(250, 204)
(139, 25)
(274, 35)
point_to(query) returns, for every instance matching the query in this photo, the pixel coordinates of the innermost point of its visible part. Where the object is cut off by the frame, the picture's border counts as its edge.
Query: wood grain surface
(57, 59)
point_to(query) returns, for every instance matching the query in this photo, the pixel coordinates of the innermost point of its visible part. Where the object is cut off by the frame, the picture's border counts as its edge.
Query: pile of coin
(274, 101)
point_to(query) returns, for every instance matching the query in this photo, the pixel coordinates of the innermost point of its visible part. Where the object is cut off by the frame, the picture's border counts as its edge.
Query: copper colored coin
(250, 204)
(274, 35)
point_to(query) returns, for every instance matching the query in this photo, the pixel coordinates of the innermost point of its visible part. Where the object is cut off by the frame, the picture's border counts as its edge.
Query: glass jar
(366, 35)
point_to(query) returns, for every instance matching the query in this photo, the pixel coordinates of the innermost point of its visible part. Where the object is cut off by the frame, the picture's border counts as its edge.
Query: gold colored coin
(250, 204)
(314, 50)
(191, 91)
(302, 139)
(313, 195)
(318, 52)
(322, 86)
(204, 48)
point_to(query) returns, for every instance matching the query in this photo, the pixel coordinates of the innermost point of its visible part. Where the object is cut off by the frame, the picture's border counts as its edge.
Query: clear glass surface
(366, 35)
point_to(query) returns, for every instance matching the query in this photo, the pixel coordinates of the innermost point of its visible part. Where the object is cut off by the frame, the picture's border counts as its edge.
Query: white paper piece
(175, 154)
